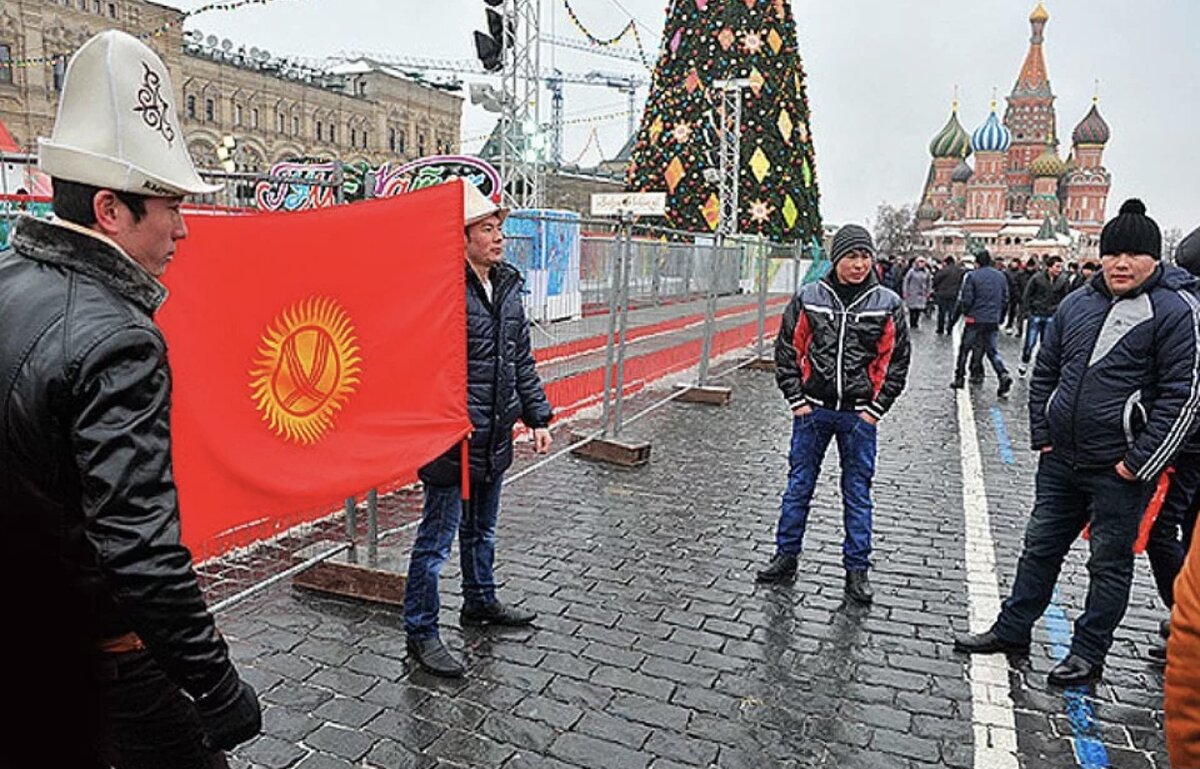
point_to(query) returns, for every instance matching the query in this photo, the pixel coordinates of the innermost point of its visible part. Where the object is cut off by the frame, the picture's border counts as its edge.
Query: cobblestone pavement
(655, 649)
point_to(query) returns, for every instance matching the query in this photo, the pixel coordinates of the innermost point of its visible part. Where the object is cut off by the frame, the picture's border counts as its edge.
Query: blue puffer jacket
(984, 295)
(502, 380)
(1118, 378)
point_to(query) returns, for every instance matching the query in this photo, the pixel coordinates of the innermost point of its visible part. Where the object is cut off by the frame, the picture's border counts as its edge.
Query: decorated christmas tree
(712, 40)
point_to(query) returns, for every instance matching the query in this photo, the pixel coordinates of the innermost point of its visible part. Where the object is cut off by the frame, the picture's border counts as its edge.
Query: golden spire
(1040, 13)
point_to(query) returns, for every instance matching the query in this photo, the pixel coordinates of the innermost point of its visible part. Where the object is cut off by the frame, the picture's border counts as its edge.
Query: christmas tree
(711, 40)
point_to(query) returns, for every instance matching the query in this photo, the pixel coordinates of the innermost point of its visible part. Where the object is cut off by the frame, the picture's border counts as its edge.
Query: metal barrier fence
(618, 308)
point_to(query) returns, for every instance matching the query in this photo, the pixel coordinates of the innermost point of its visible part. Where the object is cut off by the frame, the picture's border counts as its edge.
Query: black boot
(1158, 654)
(1074, 671)
(987, 643)
(858, 587)
(435, 657)
(782, 568)
(495, 614)
(1006, 383)
(1164, 628)
(957, 384)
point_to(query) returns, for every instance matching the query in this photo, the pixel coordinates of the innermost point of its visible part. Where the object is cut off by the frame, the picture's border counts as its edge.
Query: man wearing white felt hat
(116, 648)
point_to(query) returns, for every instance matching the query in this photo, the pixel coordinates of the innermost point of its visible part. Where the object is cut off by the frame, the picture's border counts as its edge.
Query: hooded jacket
(502, 379)
(1118, 377)
(844, 356)
(87, 497)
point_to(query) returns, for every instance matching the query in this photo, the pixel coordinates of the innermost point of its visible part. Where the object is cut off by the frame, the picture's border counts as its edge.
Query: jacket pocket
(1133, 417)
(1049, 403)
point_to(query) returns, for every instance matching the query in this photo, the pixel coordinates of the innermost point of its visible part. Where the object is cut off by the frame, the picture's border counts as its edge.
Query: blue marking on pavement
(1089, 750)
(1006, 452)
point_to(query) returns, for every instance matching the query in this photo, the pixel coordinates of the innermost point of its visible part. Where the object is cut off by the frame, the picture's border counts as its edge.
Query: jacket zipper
(841, 348)
(1075, 401)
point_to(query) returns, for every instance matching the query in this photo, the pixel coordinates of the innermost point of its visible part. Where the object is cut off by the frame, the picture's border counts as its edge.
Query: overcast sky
(881, 75)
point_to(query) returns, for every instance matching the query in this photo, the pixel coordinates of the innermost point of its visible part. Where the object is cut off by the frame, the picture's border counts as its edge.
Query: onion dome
(1048, 164)
(1092, 129)
(928, 212)
(992, 136)
(952, 141)
(962, 172)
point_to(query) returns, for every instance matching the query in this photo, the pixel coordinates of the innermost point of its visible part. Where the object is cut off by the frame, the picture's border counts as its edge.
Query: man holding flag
(109, 641)
(502, 386)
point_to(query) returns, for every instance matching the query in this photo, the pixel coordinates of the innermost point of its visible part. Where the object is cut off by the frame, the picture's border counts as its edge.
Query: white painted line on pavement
(991, 706)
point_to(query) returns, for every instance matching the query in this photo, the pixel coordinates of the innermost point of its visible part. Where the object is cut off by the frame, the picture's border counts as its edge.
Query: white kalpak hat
(477, 206)
(116, 127)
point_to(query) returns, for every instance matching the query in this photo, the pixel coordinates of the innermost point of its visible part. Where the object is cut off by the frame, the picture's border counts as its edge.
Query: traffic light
(490, 45)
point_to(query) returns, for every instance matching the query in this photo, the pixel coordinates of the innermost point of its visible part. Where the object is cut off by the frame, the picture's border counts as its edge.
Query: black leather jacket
(87, 499)
(502, 379)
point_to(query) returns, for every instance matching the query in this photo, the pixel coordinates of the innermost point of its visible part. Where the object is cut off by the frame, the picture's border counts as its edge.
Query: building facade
(273, 110)
(1018, 198)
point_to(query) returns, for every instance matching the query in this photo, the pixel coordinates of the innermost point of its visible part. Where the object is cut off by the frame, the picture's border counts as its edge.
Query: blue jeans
(811, 435)
(1033, 332)
(443, 516)
(1065, 500)
(980, 339)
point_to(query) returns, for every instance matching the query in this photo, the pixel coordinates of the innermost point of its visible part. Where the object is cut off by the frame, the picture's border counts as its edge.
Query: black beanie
(1131, 232)
(1187, 255)
(849, 238)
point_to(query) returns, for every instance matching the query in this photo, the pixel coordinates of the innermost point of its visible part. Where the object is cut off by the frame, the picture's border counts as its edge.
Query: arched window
(391, 140)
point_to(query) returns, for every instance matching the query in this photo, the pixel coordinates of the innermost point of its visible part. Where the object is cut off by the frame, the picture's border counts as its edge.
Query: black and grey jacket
(1118, 377)
(848, 357)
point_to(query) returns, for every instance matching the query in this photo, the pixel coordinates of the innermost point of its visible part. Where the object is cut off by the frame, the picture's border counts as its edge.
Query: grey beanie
(849, 238)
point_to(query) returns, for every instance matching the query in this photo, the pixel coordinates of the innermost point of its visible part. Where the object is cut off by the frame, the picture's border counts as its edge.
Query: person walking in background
(983, 302)
(502, 386)
(112, 650)
(918, 285)
(1086, 271)
(1015, 274)
(1042, 294)
(841, 361)
(947, 282)
(1128, 337)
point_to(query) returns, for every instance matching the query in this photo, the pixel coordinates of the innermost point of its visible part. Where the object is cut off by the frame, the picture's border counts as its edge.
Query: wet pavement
(654, 647)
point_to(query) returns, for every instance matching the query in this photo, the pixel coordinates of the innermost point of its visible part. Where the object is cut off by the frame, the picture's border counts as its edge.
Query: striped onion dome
(962, 172)
(952, 141)
(1048, 164)
(1092, 129)
(992, 136)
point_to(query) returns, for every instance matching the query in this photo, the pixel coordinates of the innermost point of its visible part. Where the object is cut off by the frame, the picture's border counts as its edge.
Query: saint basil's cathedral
(1020, 198)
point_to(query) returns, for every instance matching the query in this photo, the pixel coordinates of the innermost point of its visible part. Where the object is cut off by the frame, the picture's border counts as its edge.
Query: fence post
(762, 300)
(609, 350)
(626, 260)
(372, 526)
(710, 308)
(797, 260)
(655, 277)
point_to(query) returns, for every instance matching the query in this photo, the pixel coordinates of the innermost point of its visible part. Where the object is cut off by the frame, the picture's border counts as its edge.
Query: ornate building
(272, 109)
(1020, 198)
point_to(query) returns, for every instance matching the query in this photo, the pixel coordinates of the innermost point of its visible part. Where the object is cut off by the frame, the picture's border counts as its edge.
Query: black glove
(229, 712)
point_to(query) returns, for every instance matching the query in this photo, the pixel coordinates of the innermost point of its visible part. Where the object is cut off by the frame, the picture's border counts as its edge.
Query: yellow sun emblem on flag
(306, 368)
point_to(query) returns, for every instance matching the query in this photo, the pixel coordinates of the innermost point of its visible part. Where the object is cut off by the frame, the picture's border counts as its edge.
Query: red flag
(315, 355)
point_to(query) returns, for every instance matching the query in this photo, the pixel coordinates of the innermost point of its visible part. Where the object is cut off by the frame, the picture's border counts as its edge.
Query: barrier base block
(352, 574)
(613, 451)
(761, 364)
(712, 396)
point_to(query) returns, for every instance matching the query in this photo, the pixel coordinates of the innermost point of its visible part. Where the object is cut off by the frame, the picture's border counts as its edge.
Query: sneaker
(957, 384)
(858, 587)
(435, 657)
(782, 568)
(1006, 384)
(496, 613)
(1022, 370)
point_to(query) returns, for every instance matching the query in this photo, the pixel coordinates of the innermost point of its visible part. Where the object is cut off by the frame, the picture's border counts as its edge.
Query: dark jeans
(1033, 332)
(914, 316)
(811, 435)
(151, 723)
(476, 529)
(980, 338)
(1172, 531)
(947, 315)
(1065, 500)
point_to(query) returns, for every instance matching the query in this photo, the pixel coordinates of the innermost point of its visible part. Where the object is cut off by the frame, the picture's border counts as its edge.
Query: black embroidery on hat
(152, 106)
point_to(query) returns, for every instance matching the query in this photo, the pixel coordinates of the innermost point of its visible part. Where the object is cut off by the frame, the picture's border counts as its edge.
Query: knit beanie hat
(1187, 255)
(1131, 232)
(851, 238)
